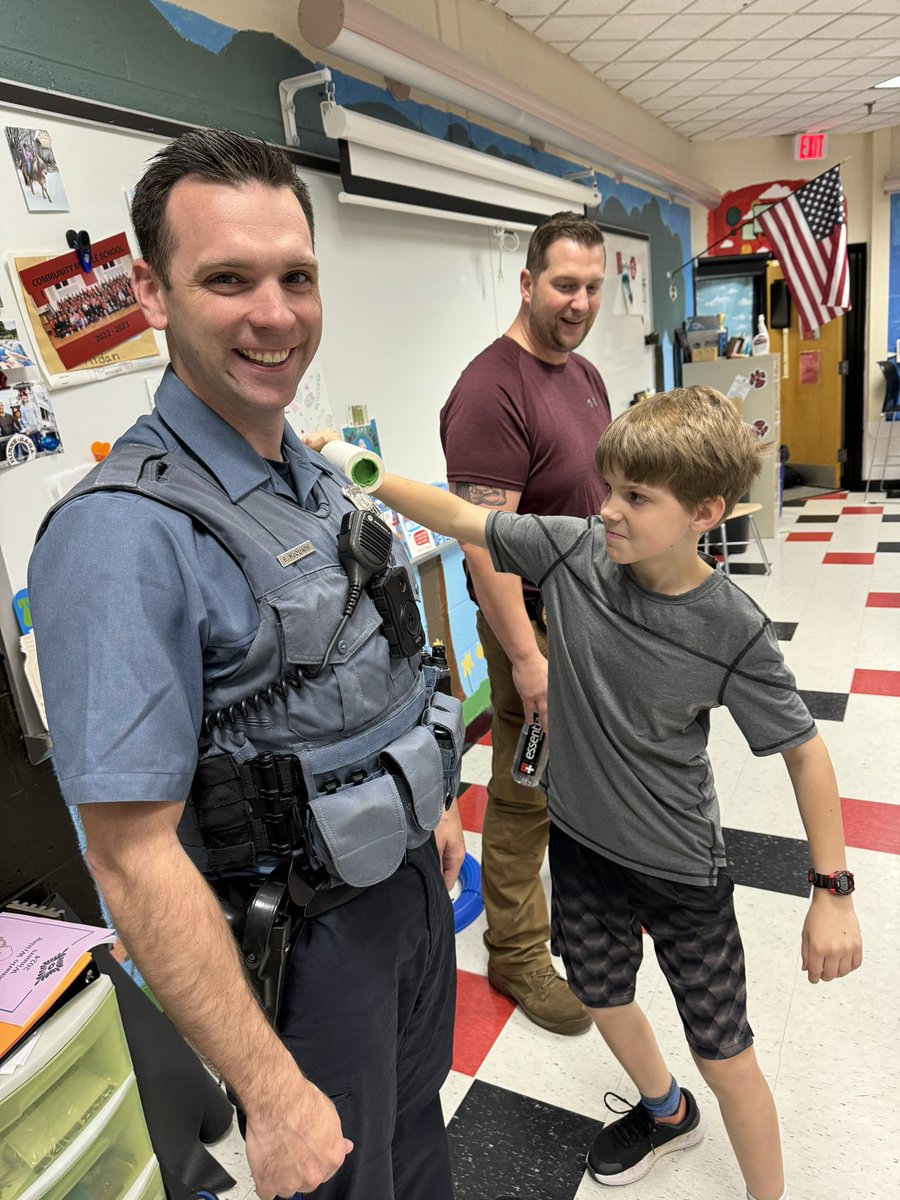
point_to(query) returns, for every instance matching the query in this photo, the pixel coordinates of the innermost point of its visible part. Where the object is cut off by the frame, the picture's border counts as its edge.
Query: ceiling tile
(569, 28)
(644, 89)
(529, 23)
(528, 8)
(580, 8)
(886, 7)
(650, 51)
(837, 7)
(715, 6)
(713, 72)
(627, 26)
(708, 50)
(598, 50)
(693, 25)
(803, 25)
(753, 51)
(809, 48)
(670, 70)
(616, 72)
(638, 7)
(767, 69)
(564, 47)
(857, 25)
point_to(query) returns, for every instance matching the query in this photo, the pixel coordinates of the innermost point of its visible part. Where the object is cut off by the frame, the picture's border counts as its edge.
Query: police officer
(210, 718)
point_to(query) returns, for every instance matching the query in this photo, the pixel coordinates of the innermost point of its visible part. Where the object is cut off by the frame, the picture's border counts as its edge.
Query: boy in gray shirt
(645, 636)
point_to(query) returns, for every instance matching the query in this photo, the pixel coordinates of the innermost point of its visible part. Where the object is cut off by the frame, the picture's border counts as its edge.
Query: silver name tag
(295, 554)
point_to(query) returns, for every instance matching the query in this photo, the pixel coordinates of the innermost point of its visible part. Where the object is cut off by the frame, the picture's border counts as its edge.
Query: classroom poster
(84, 323)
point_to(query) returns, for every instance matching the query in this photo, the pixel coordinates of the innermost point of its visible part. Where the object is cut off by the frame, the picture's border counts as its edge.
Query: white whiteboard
(408, 300)
(625, 317)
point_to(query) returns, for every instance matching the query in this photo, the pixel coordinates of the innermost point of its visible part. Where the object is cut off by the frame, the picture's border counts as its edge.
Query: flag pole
(750, 220)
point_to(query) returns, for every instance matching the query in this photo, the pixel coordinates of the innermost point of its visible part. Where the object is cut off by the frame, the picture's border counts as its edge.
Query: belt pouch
(359, 830)
(415, 762)
(444, 716)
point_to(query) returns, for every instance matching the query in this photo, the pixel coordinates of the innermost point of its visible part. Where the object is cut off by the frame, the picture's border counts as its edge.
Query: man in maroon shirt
(519, 433)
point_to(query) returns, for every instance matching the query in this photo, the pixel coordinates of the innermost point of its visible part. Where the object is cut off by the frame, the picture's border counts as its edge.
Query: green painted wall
(123, 52)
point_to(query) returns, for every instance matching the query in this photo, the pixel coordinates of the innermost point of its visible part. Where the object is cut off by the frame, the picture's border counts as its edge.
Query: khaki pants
(515, 833)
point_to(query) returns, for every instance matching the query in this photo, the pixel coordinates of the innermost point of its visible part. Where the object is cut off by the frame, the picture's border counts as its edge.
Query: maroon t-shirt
(517, 422)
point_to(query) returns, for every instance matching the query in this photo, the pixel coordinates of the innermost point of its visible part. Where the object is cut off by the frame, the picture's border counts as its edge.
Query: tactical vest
(348, 768)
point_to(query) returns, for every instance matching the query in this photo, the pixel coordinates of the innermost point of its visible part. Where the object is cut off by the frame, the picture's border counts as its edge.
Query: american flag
(807, 232)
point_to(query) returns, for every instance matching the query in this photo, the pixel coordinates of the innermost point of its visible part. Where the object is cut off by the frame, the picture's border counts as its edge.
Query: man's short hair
(691, 441)
(571, 225)
(214, 156)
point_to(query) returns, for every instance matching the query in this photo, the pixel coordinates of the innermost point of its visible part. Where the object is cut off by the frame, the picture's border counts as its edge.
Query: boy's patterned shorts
(598, 908)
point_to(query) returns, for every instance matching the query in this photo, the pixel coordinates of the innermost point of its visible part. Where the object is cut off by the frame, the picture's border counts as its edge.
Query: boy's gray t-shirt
(632, 677)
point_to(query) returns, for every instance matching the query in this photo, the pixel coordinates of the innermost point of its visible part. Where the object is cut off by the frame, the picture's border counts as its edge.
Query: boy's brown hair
(691, 441)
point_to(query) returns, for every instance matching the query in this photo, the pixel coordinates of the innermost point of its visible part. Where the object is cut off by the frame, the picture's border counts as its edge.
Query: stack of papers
(39, 959)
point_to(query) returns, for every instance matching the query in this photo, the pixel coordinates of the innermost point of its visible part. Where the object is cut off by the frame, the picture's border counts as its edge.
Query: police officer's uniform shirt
(145, 609)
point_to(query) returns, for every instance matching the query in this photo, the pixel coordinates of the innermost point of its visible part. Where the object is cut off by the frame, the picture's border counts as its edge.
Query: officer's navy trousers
(367, 1011)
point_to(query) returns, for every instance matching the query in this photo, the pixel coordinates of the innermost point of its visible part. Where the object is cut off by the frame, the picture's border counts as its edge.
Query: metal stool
(890, 416)
(747, 510)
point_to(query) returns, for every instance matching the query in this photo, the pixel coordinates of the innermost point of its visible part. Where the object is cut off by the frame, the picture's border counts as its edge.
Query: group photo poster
(84, 321)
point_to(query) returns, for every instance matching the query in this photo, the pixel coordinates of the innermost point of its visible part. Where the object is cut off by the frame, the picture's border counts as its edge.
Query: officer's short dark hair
(571, 225)
(215, 156)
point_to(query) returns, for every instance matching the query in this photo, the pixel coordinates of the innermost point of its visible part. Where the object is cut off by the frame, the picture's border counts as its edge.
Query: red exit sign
(810, 146)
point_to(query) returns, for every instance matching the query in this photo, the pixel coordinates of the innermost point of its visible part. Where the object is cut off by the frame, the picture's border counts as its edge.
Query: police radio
(365, 542)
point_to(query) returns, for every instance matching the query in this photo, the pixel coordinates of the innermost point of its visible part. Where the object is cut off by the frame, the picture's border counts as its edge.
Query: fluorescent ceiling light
(356, 31)
(890, 83)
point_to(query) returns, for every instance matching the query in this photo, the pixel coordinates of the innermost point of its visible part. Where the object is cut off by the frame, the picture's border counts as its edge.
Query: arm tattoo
(482, 494)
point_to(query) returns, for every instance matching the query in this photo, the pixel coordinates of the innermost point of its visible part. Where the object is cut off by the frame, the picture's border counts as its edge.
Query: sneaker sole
(645, 1166)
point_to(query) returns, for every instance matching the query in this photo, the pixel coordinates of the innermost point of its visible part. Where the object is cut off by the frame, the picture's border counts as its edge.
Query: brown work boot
(544, 998)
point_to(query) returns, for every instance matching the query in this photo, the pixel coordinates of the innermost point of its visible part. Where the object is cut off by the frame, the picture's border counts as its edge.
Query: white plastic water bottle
(531, 754)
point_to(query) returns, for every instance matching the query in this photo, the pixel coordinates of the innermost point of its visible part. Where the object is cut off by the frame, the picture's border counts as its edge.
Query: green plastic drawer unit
(106, 1159)
(78, 1061)
(150, 1184)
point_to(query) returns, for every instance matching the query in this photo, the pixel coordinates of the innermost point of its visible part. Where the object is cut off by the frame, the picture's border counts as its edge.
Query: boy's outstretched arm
(435, 509)
(832, 944)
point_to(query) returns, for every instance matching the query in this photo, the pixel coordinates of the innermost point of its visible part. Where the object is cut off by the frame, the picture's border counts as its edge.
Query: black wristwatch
(841, 883)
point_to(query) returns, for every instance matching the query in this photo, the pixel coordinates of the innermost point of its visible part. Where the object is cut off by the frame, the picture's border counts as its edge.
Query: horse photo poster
(37, 169)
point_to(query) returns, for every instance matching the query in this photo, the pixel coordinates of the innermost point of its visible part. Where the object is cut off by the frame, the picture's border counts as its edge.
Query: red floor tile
(876, 683)
(840, 556)
(863, 511)
(883, 600)
(827, 496)
(810, 537)
(486, 740)
(870, 825)
(472, 804)
(481, 1014)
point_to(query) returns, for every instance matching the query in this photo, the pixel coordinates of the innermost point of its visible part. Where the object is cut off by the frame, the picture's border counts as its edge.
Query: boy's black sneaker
(626, 1150)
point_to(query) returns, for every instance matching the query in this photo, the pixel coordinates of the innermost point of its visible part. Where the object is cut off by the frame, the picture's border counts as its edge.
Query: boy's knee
(729, 1074)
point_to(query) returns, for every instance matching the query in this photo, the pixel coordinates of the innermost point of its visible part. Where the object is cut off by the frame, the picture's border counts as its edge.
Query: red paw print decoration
(758, 379)
(760, 428)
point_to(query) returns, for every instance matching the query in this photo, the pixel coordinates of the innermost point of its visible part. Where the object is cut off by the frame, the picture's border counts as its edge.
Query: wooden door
(812, 394)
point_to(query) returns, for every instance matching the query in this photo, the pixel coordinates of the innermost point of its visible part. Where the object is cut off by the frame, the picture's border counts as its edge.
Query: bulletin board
(622, 356)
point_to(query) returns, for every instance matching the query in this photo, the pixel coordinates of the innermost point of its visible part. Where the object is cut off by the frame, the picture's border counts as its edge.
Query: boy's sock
(667, 1105)
(784, 1195)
